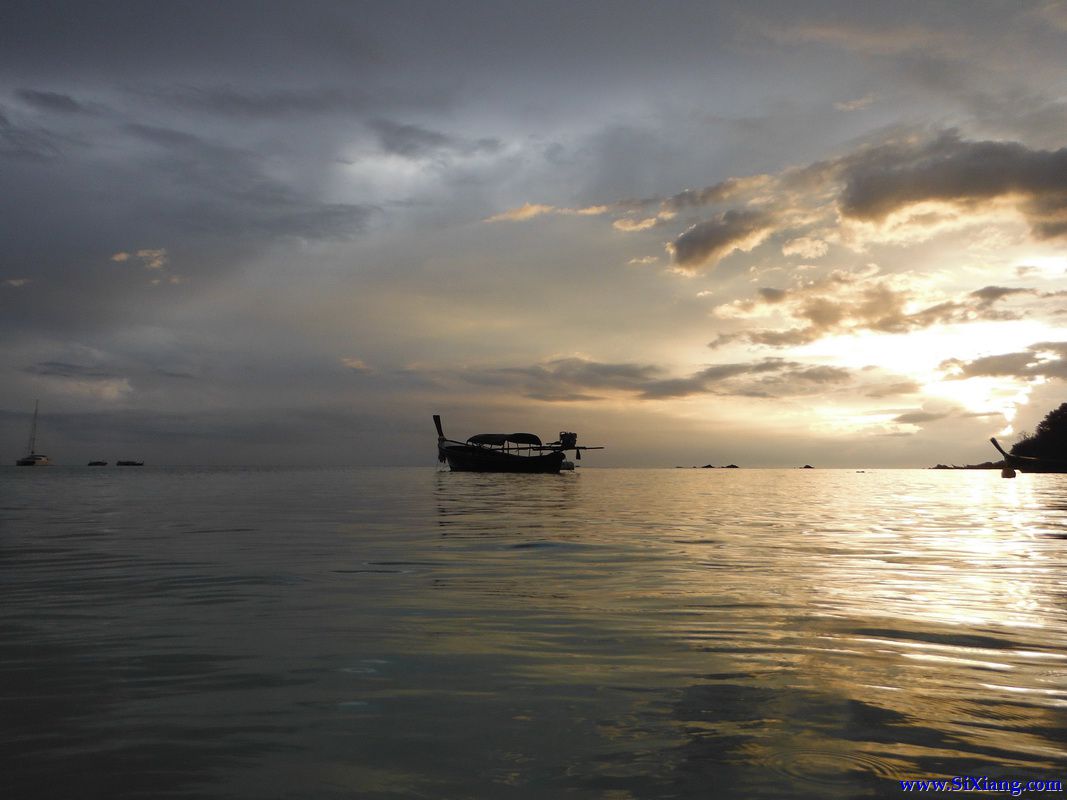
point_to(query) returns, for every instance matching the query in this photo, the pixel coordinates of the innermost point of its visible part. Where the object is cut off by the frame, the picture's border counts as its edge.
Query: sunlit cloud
(355, 364)
(633, 225)
(858, 104)
(902, 191)
(805, 247)
(149, 258)
(844, 302)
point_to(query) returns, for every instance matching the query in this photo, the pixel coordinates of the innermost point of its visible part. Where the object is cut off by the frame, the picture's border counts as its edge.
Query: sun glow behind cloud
(920, 356)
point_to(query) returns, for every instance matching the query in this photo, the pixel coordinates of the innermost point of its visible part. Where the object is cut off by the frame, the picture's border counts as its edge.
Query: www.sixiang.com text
(964, 783)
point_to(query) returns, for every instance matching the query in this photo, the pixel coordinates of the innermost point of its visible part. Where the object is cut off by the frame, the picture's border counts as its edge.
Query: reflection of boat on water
(1030, 464)
(506, 452)
(129, 463)
(34, 459)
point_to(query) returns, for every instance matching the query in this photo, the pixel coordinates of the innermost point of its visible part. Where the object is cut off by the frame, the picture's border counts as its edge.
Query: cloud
(710, 195)
(149, 258)
(229, 101)
(868, 40)
(706, 243)
(1040, 360)
(848, 303)
(27, 143)
(892, 389)
(858, 104)
(988, 295)
(83, 380)
(886, 179)
(805, 247)
(523, 212)
(63, 369)
(769, 377)
(634, 225)
(772, 296)
(153, 259)
(579, 379)
(357, 365)
(50, 101)
(916, 417)
(16, 283)
(572, 372)
(905, 189)
(531, 210)
(225, 190)
(413, 141)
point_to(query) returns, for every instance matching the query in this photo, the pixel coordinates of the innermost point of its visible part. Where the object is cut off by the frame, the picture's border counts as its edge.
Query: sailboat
(34, 459)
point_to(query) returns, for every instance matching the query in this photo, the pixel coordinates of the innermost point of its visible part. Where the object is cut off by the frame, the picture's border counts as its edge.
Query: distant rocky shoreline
(983, 465)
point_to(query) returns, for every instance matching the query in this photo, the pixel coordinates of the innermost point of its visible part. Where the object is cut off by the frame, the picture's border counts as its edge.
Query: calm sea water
(235, 633)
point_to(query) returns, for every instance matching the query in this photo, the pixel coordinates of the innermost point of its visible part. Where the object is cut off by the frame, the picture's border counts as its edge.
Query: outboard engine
(567, 441)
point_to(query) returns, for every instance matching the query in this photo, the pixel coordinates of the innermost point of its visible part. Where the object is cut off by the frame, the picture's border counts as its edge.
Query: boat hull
(1037, 465)
(466, 458)
(33, 461)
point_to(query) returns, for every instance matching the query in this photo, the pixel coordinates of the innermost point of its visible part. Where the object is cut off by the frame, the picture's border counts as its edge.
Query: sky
(762, 233)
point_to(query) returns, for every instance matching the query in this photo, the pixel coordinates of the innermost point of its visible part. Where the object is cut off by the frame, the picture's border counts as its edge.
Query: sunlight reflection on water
(605, 633)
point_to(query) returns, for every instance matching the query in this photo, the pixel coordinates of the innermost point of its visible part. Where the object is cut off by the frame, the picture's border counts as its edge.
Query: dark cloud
(27, 143)
(226, 190)
(947, 168)
(62, 369)
(709, 195)
(1040, 360)
(988, 295)
(253, 103)
(772, 295)
(50, 101)
(412, 141)
(573, 379)
(916, 417)
(702, 381)
(568, 378)
(707, 242)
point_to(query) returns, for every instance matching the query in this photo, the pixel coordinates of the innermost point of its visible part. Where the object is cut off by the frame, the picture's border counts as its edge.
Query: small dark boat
(506, 452)
(97, 463)
(1029, 463)
(129, 463)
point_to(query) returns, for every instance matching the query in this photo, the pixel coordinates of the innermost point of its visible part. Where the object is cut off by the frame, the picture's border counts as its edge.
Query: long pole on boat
(33, 428)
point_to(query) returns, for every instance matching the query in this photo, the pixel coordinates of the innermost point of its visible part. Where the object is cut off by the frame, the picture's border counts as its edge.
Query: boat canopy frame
(503, 439)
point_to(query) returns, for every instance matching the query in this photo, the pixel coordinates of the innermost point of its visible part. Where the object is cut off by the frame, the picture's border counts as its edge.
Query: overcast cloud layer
(765, 233)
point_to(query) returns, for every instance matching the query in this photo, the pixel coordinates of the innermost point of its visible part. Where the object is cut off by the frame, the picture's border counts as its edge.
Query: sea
(604, 633)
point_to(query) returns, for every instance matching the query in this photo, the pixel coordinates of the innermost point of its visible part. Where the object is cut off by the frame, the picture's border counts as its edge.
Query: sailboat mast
(33, 429)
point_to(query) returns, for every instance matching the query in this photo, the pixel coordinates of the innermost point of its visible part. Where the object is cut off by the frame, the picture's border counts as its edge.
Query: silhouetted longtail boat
(1029, 463)
(506, 452)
